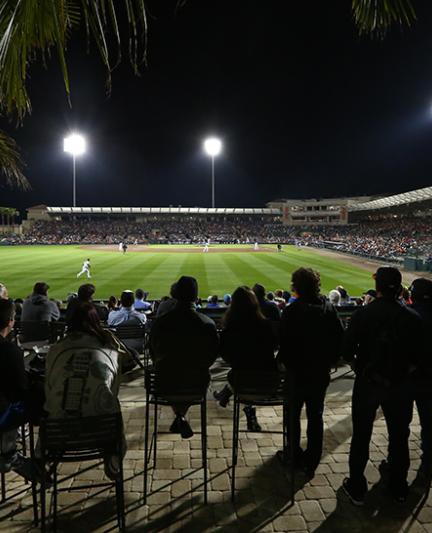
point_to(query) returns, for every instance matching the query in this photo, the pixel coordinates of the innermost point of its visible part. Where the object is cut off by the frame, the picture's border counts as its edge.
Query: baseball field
(154, 268)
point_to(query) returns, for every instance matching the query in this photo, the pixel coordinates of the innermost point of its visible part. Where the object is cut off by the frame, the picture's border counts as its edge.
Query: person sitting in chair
(183, 344)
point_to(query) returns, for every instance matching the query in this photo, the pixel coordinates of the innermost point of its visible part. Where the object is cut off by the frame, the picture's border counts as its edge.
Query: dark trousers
(311, 395)
(397, 406)
(423, 399)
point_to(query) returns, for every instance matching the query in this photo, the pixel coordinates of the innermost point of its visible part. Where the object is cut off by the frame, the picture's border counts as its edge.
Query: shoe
(285, 460)
(175, 428)
(223, 396)
(355, 497)
(26, 468)
(399, 492)
(184, 428)
(112, 468)
(252, 422)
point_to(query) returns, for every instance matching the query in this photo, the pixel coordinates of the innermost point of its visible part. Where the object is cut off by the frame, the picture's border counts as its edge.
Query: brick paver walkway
(176, 497)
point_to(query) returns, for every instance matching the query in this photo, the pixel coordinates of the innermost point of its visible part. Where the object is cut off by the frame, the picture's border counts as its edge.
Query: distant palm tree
(32, 30)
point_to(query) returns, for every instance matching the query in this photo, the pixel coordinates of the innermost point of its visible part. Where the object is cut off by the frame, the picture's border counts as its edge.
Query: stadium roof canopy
(163, 210)
(419, 195)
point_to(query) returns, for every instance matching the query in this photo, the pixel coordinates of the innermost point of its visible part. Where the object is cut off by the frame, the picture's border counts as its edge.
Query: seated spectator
(406, 296)
(310, 344)
(83, 372)
(334, 297)
(3, 292)
(167, 303)
(126, 313)
(18, 307)
(268, 309)
(279, 299)
(85, 294)
(112, 303)
(421, 293)
(184, 344)
(38, 308)
(213, 302)
(369, 296)
(140, 300)
(286, 295)
(345, 298)
(17, 406)
(227, 299)
(247, 343)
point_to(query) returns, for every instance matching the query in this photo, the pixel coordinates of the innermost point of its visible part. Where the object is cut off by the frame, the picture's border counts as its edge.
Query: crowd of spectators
(295, 336)
(389, 238)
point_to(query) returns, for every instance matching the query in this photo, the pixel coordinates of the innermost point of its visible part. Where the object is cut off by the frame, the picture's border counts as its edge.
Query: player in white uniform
(256, 246)
(206, 246)
(85, 269)
(120, 247)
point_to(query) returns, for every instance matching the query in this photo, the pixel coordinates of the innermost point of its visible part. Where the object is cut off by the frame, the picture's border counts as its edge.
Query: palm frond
(11, 164)
(32, 30)
(376, 17)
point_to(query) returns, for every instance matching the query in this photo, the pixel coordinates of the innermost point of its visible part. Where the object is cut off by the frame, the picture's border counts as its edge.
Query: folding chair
(188, 389)
(263, 389)
(78, 440)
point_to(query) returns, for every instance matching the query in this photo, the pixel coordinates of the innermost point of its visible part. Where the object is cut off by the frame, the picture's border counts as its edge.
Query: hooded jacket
(39, 308)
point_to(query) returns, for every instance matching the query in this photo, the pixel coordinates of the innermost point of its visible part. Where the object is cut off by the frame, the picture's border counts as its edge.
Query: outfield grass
(217, 273)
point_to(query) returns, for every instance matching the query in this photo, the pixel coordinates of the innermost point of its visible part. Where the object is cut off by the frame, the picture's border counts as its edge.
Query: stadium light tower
(213, 147)
(74, 144)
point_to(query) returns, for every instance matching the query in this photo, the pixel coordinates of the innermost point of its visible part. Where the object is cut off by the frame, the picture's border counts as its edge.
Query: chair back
(82, 438)
(133, 335)
(259, 386)
(32, 330)
(175, 385)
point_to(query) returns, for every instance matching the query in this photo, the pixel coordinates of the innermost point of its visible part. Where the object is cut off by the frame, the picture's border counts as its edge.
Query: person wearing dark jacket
(421, 294)
(85, 294)
(268, 309)
(310, 341)
(247, 343)
(183, 344)
(38, 308)
(16, 405)
(383, 341)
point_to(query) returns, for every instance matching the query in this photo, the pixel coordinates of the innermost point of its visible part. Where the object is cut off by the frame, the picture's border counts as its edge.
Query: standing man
(421, 293)
(384, 341)
(120, 247)
(279, 247)
(85, 269)
(125, 247)
(310, 342)
(206, 246)
(256, 246)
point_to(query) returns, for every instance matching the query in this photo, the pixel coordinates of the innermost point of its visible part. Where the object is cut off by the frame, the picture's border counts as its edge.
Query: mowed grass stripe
(249, 270)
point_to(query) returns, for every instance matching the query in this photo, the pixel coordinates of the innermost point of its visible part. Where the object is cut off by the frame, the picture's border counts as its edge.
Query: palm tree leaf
(376, 17)
(11, 164)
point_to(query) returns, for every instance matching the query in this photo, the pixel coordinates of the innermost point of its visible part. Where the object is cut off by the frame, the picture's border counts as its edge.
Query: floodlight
(74, 144)
(213, 146)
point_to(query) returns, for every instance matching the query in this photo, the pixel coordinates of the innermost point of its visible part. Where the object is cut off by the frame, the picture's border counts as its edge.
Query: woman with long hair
(247, 343)
(83, 372)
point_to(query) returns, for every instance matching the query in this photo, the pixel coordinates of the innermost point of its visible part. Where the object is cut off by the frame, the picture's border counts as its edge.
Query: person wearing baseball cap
(383, 341)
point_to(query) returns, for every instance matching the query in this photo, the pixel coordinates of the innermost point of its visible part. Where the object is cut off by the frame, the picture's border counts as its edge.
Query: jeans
(397, 406)
(312, 395)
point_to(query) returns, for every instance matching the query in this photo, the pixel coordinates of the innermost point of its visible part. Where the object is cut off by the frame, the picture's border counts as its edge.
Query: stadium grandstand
(392, 228)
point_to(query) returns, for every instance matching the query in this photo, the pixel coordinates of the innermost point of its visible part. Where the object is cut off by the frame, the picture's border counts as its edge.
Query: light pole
(74, 144)
(213, 147)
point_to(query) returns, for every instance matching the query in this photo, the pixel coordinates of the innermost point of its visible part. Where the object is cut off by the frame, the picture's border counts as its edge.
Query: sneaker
(252, 421)
(184, 428)
(223, 396)
(356, 497)
(175, 428)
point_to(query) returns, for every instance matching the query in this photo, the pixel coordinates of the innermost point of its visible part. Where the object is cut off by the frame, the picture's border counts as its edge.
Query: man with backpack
(384, 341)
(310, 343)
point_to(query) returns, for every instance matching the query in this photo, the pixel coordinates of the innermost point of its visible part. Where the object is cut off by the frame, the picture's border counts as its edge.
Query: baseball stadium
(344, 239)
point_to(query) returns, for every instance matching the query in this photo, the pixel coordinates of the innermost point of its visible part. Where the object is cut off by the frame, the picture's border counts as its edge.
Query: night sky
(304, 106)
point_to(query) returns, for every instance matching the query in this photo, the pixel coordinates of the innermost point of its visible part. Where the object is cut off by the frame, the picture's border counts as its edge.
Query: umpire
(383, 340)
